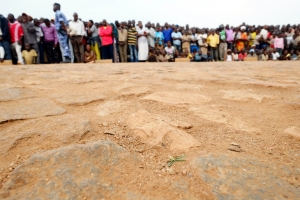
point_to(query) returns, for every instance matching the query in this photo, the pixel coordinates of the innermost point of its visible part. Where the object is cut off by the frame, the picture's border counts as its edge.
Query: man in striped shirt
(131, 41)
(16, 35)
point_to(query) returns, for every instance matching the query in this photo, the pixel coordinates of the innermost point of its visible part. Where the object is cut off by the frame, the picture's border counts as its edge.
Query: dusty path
(238, 124)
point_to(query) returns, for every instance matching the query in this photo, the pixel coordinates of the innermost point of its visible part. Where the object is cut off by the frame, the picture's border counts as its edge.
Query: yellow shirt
(213, 40)
(28, 55)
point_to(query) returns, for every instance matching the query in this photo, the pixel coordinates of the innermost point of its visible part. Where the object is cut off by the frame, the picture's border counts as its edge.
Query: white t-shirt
(177, 35)
(170, 50)
(264, 33)
(275, 56)
(77, 28)
(200, 37)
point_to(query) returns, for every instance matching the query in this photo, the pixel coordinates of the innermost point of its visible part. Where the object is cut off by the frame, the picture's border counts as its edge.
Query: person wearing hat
(30, 35)
(61, 24)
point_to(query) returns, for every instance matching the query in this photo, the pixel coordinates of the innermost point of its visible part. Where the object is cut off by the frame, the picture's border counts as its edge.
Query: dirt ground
(237, 124)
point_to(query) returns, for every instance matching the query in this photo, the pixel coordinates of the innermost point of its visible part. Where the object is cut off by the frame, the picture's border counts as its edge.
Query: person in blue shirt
(61, 24)
(167, 34)
(159, 38)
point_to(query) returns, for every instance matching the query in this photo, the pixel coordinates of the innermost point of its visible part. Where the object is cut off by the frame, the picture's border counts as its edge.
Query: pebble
(104, 124)
(10, 169)
(18, 156)
(184, 172)
(163, 170)
(171, 171)
(236, 149)
(109, 132)
(234, 144)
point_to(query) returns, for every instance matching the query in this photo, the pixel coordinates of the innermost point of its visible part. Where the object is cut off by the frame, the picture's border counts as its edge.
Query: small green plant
(173, 160)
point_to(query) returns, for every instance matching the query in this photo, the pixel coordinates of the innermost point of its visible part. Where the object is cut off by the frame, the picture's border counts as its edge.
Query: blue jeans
(133, 53)
(279, 50)
(6, 47)
(178, 47)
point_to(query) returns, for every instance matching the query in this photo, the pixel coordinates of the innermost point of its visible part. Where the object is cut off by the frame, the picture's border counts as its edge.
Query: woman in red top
(106, 33)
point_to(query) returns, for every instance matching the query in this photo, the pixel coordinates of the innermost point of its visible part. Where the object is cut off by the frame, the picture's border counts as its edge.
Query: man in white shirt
(177, 37)
(264, 32)
(76, 32)
(151, 35)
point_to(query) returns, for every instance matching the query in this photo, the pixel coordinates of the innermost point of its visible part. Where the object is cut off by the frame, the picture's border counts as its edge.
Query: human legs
(35, 46)
(64, 43)
(123, 53)
(17, 52)
(49, 50)
(6, 47)
(222, 49)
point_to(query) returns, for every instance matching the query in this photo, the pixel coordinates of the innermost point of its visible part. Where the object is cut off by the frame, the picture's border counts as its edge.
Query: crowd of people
(28, 40)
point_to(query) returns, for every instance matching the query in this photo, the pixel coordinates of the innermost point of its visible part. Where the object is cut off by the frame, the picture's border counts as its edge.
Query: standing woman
(94, 38)
(142, 42)
(106, 33)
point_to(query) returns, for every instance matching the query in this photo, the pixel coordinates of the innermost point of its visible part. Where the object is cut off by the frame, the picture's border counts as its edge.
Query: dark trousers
(230, 46)
(50, 52)
(78, 48)
(107, 51)
(6, 47)
(41, 49)
(214, 53)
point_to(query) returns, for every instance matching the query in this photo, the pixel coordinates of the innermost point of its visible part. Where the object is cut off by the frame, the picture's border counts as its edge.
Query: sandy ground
(244, 112)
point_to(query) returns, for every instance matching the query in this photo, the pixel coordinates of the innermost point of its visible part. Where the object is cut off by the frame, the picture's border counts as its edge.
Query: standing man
(30, 35)
(5, 37)
(16, 32)
(177, 37)
(77, 32)
(229, 37)
(213, 41)
(167, 34)
(50, 41)
(142, 42)
(123, 42)
(61, 24)
(151, 35)
(223, 43)
(40, 38)
(131, 41)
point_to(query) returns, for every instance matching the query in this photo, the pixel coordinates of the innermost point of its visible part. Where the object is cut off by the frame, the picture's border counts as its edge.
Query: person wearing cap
(30, 35)
(223, 42)
(61, 24)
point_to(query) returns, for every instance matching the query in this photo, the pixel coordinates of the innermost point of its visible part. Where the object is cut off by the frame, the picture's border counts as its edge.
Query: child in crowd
(152, 56)
(293, 55)
(209, 57)
(265, 56)
(235, 56)
(228, 57)
(252, 53)
(89, 55)
(2, 52)
(29, 55)
(279, 44)
(188, 55)
(298, 54)
(165, 57)
(275, 55)
(242, 55)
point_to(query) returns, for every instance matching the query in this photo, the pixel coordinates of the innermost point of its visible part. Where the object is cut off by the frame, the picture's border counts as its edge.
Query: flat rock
(9, 94)
(78, 98)
(246, 178)
(155, 129)
(110, 107)
(293, 131)
(177, 98)
(92, 171)
(29, 108)
(35, 135)
(241, 95)
(217, 116)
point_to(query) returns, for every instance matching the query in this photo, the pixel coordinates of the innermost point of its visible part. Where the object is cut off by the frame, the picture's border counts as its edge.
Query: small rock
(171, 171)
(236, 149)
(18, 156)
(190, 175)
(184, 172)
(234, 144)
(104, 124)
(163, 170)
(109, 132)
(10, 169)
(12, 164)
